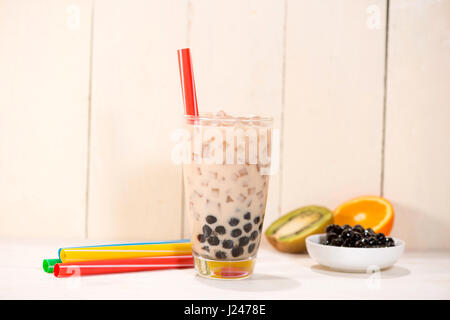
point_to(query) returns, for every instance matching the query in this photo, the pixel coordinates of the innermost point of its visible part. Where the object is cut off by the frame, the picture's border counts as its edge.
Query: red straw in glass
(82, 268)
(187, 82)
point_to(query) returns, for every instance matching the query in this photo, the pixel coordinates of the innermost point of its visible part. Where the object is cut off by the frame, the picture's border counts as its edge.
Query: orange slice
(369, 211)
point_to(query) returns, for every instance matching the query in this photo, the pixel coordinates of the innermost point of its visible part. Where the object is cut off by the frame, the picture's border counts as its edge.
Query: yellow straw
(108, 252)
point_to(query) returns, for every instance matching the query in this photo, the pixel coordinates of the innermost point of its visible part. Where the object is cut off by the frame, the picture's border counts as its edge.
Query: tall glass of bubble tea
(226, 178)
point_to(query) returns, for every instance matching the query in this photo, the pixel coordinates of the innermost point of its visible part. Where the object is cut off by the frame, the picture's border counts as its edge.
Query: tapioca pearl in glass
(236, 233)
(227, 244)
(221, 255)
(233, 222)
(201, 238)
(247, 227)
(243, 241)
(247, 215)
(220, 230)
(211, 219)
(213, 241)
(254, 235)
(237, 251)
(207, 231)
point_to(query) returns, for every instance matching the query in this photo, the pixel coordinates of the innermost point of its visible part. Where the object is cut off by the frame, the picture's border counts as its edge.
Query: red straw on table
(187, 82)
(82, 268)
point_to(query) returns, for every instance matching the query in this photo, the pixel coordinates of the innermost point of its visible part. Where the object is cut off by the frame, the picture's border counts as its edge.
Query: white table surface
(417, 275)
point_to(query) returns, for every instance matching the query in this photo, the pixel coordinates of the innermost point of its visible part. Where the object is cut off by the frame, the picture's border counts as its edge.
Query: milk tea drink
(226, 179)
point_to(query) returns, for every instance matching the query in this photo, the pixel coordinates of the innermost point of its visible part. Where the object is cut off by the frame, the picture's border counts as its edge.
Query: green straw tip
(49, 264)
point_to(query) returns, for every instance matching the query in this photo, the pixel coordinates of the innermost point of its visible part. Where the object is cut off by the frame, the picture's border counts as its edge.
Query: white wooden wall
(90, 94)
(44, 99)
(417, 150)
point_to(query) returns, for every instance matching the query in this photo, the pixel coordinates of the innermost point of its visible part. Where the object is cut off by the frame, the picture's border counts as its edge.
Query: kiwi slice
(288, 233)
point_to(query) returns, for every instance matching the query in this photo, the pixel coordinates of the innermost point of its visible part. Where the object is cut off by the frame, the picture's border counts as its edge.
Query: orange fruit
(369, 211)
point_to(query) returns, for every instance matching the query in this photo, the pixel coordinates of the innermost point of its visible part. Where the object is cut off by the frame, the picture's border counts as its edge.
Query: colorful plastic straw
(187, 82)
(49, 264)
(125, 251)
(83, 268)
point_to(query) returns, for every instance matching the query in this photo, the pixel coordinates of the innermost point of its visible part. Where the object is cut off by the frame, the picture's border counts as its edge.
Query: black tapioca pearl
(227, 244)
(260, 227)
(247, 227)
(247, 216)
(236, 233)
(233, 222)
(237, 251)
(251, 248)
(256, 220)
(221, 255)
(380, 237)
(206, 231)
(253, 235)
(206, 248)
(390, 242)
(201, 238)
(211, 219)
(214, 241)
(220, 230)
(243, 241)
(346, 234)
(331, 235)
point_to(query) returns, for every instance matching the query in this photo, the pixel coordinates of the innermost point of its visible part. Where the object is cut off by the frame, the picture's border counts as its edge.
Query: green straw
(49, 264)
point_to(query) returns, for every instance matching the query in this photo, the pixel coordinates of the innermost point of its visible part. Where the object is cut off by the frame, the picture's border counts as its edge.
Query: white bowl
(353, 259)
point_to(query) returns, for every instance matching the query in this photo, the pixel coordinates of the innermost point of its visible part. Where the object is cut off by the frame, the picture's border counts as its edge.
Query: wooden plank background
(417, 177)
(334, 102)
(134, 188)
(89, 97)
(44, 87)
